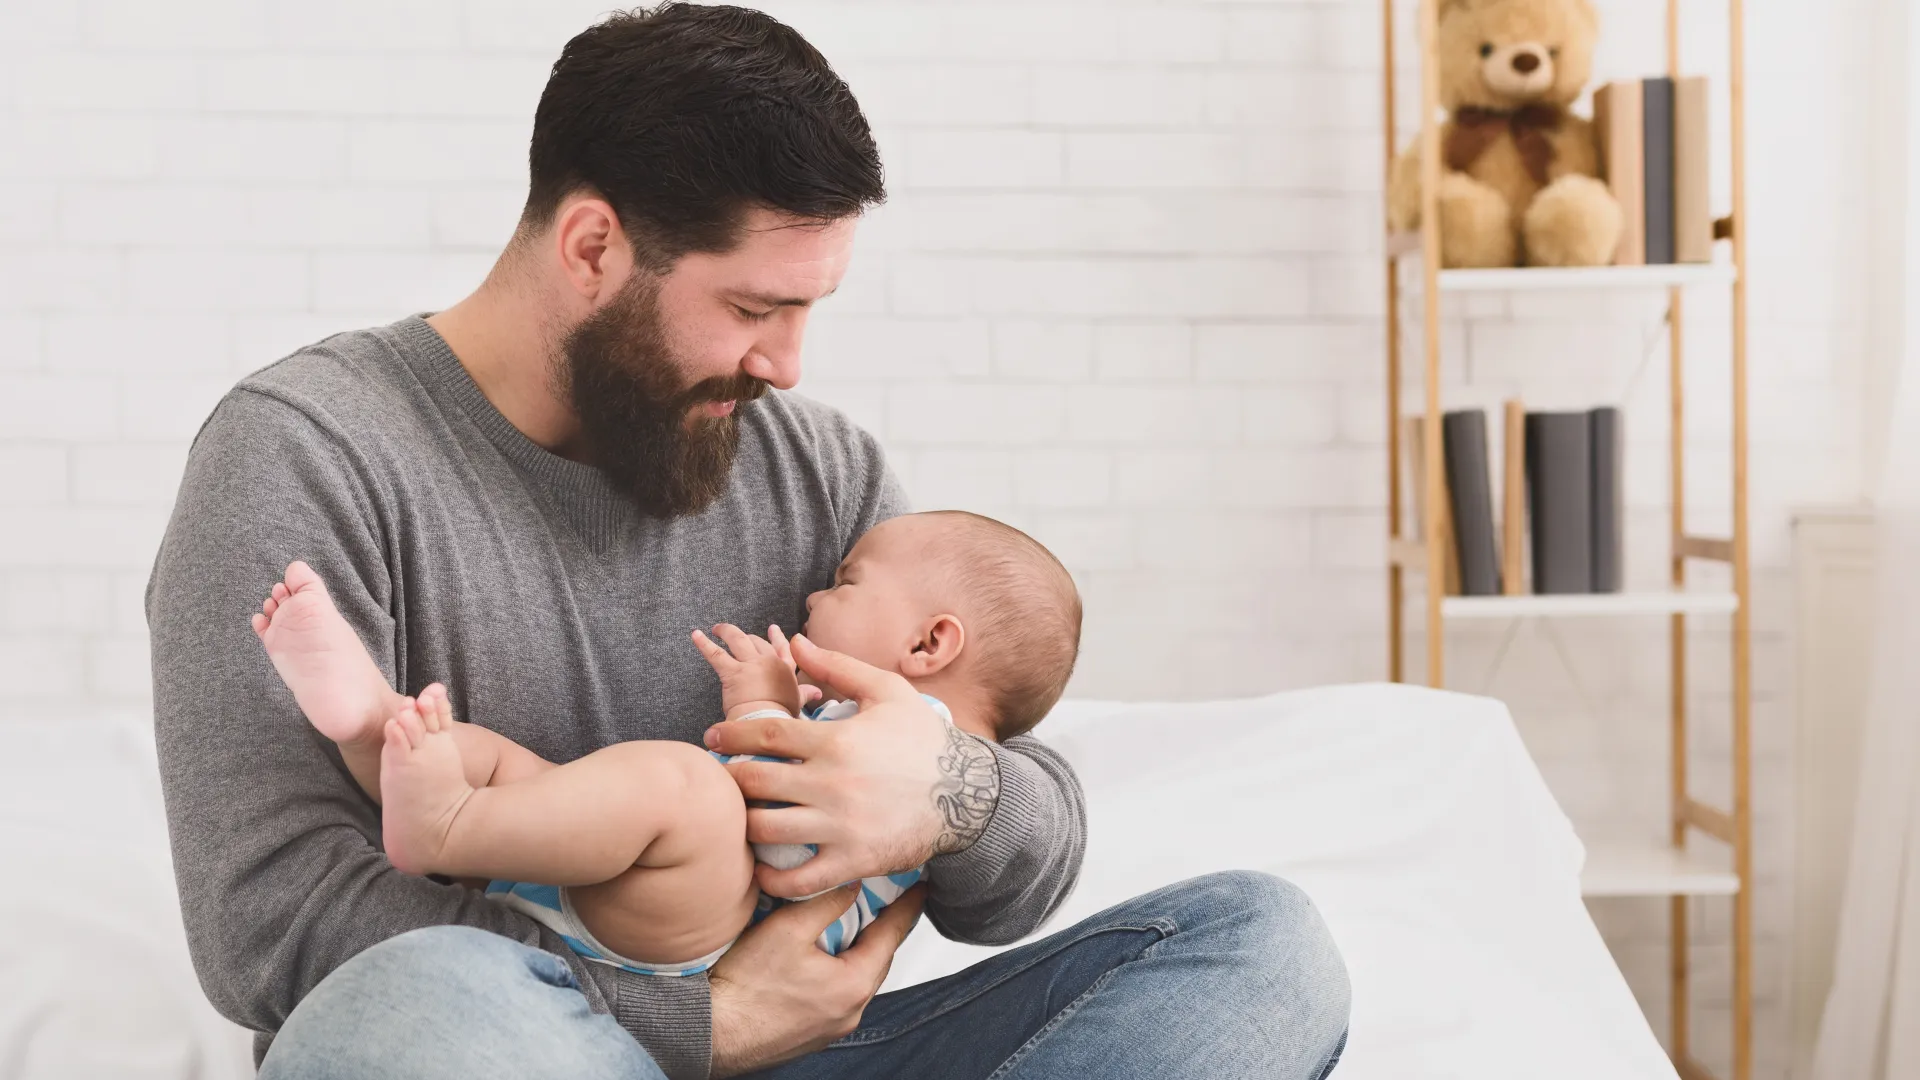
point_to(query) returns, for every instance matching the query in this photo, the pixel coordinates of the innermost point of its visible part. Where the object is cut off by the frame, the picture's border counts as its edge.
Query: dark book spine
(1560, 501)
(1463, 437)
(1657, 118)
(1609, 506)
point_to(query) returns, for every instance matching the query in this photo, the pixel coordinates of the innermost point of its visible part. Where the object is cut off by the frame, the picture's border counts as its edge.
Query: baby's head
(971, 611)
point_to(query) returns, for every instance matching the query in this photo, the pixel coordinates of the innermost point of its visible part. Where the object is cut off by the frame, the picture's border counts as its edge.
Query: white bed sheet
(1415, 820)
(1422, 830)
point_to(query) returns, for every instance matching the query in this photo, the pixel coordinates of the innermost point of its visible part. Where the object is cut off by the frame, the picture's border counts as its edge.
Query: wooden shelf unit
(1724, 866)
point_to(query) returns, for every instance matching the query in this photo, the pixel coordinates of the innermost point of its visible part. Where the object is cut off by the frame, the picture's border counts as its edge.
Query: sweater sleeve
(275, 849)
(1026, 863)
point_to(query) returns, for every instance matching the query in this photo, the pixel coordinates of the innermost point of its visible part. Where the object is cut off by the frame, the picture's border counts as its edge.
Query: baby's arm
(753, 675)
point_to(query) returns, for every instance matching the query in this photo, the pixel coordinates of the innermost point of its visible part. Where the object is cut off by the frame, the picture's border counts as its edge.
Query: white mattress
(1415, 820)
(1420, 827)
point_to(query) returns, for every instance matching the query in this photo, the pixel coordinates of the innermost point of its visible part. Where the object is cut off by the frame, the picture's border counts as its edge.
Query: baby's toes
(397, 743)
(434, 711)
(410, 724)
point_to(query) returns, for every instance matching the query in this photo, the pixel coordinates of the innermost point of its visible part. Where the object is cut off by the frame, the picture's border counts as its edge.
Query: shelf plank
(1664, 602)
(1529, 278)
(1654, 869)
(1522, 278)
(1518, 279)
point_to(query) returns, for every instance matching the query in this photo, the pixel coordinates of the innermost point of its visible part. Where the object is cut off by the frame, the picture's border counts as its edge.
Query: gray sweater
(463, 552)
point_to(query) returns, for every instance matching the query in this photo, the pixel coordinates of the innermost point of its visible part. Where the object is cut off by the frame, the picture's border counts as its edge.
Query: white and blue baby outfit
(550, 906)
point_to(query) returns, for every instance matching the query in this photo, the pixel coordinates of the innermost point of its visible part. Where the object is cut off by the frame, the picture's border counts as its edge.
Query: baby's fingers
(715, 654)
(781, 646)
(744, 645)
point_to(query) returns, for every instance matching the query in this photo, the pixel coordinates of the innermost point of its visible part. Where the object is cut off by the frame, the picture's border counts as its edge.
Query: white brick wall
(1126, 294)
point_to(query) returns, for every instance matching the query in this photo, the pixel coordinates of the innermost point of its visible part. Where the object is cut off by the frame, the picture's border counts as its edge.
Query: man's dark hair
(685, 116)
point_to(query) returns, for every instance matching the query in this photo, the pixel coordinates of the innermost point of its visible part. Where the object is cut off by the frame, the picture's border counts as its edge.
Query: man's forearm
(967, 792)
(1024, 859)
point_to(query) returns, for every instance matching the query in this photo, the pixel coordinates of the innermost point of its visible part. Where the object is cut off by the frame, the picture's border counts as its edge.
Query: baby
(638, 850)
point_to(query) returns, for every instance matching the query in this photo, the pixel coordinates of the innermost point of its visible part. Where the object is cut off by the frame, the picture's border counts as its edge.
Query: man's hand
(878, 793)
(777, 995)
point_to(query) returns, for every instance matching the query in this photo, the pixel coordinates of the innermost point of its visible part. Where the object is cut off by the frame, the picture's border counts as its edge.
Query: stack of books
(1653, 156)
(1562, 509)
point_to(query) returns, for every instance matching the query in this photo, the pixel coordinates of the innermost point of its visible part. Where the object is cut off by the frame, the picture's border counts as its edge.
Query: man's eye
(753, 316)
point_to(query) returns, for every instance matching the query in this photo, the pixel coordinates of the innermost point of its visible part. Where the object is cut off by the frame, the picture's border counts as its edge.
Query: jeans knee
(1299, 962)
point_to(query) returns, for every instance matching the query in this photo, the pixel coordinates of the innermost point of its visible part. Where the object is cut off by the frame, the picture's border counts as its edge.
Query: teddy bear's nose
(1526, 62)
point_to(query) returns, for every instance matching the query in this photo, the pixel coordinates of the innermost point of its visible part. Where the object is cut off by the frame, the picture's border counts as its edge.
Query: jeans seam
(1164, 926)
(1059, 1018)
(1065, 1014)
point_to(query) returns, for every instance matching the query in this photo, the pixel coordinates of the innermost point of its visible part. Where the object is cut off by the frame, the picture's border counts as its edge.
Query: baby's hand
(809, 693)
(753, 674)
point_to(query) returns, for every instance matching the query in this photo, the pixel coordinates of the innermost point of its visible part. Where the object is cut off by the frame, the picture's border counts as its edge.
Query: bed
(1414, 818)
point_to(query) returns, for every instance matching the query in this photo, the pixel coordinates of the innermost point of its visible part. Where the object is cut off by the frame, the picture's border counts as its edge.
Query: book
(1692, 217)
(1618, 129)
(1609, 507)
(1413, 439)
(1559, 456)
(1464, 440)
(1656, 144)
(1513, 501)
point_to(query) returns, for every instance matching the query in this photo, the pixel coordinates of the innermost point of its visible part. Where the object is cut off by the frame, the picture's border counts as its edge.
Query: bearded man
(531, 497)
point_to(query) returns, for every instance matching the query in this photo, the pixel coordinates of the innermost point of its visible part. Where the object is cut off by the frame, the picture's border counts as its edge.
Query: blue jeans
(1228, 975)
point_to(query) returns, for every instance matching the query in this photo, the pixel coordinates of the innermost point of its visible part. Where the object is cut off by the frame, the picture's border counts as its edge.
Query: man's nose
(775, 358)
(778, 369)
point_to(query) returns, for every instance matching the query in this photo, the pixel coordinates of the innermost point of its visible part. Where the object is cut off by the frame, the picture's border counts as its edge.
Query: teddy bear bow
(1475, 129)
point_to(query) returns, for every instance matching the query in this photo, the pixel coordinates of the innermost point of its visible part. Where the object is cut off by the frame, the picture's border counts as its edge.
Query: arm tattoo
(967, 792)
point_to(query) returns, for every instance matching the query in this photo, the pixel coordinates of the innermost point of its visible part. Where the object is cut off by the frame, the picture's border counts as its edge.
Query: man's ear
(937, 647)
(592, 247)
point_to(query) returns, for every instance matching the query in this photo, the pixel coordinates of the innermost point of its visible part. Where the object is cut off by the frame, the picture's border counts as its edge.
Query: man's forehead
(782, 258)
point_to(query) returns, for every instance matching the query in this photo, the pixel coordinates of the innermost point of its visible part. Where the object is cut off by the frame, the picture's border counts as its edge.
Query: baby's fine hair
(1023, 618)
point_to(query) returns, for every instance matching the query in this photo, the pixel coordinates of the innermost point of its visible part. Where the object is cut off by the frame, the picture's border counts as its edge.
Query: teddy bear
(1519, 172)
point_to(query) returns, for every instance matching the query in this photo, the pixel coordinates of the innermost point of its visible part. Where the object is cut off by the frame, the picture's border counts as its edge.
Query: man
(533, 496)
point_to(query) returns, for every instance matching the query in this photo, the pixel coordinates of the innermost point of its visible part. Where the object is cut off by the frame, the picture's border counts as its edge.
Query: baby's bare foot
(422, 786)
(323, 661)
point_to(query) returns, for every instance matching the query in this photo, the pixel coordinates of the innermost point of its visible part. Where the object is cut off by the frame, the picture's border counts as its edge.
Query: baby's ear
(941, 639)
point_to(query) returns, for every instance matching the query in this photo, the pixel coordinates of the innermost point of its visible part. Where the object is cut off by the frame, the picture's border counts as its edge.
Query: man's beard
(636, 419)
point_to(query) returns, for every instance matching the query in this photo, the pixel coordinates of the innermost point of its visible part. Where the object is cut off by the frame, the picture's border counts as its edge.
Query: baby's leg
(347, 699)
(660, 823)
(323, 661)
(692, 893)
(574, 824)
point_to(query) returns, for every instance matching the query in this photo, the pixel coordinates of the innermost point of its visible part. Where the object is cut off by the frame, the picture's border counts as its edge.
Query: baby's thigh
(692, 890)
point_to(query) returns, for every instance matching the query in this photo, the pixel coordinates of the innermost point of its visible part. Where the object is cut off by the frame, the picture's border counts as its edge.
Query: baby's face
(879, 603)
